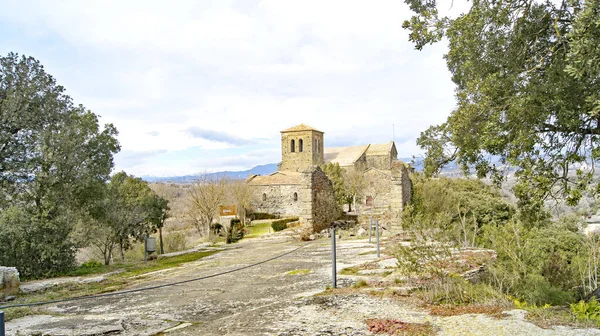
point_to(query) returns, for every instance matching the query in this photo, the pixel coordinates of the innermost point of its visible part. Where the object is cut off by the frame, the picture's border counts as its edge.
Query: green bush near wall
(281, 224)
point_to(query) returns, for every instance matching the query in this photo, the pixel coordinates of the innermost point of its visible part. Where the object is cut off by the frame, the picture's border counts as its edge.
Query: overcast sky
(195, 86)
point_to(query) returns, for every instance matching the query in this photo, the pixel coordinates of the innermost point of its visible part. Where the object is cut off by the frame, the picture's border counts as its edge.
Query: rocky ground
(281, 297)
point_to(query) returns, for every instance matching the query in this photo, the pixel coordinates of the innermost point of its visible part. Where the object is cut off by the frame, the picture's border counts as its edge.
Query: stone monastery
(300, 188)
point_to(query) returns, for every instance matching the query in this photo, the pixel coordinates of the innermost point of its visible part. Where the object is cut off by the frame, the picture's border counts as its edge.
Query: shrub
(236, 231)
(175, 242)
(38, 248)
(587, 310)
(457, 291)
(281, 224)
(262, 215)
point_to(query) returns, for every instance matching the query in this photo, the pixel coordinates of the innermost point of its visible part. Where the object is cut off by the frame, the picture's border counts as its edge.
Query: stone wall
(325, 208)
(379, 161)
(279, 200)
(391, 200)
(9, 281)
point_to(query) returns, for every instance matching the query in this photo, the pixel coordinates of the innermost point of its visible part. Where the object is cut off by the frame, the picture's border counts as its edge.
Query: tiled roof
(344, 156)
(380, 149)
(278, 177)
(300, 128)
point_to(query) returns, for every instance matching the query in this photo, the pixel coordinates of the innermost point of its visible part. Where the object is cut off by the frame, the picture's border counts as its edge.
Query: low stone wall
(9, 281)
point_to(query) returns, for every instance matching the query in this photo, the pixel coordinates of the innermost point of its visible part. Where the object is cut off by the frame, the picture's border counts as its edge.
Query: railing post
(377, 233)
(370, 227)
(333, 261)
(2, 326)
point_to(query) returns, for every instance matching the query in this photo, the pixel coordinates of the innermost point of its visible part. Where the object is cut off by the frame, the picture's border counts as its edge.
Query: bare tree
(355, 183)
(240, 194)
(204, 199)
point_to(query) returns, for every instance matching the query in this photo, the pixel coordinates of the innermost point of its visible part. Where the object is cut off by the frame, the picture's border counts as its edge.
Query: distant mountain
(265, 169)
(259, 170)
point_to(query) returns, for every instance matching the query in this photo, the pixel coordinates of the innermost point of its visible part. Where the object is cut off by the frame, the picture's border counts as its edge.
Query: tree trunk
(162, 251)
(121, 250)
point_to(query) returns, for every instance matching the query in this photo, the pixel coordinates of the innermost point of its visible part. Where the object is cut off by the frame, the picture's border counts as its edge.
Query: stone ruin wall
(280, 200)
(9, 281)
(325, 208)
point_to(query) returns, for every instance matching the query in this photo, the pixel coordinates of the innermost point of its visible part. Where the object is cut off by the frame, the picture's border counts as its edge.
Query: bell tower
(301, 148)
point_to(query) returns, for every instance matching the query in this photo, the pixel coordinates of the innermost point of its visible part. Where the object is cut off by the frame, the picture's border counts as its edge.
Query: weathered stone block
(9, 281)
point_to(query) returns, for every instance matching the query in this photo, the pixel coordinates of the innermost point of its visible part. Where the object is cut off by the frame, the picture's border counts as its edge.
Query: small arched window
(293, 145)
(295, 197)
(300, 145)
(264, 197)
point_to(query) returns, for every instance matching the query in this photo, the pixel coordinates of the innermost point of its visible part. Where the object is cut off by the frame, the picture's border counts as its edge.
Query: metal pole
(333, 261)
(2, 326)
(377, 233)
(370, 227)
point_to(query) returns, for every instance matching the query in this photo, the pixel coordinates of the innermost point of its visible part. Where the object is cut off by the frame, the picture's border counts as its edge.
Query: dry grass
(450, 310)
(397, 327)
(556, 316)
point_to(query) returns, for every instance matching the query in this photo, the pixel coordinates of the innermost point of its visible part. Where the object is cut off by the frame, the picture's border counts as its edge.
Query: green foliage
(541, 262)
(526, 75)
(281, 224)
(38, 248)
(338, 178)
(262, 215)
(54, 160)
(459, 207)
(236, 231)
(457, 291)
(589, 310)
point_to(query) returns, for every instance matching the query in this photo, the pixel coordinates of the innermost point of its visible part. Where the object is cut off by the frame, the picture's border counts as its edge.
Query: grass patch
(259, 229)
(450, 310)
(548, 317)
(15, 313)
(350, 271)
(113, 283)
(360, 284)
(457, 291)
(298, 272)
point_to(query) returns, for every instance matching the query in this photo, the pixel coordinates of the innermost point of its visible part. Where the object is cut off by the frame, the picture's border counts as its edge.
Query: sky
(203, 86)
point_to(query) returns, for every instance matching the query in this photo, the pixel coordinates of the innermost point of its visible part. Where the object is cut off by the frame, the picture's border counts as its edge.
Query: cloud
(230, 75)
(217, 136)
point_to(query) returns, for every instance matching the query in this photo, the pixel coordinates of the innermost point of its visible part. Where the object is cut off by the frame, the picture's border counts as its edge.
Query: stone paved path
(264, 300)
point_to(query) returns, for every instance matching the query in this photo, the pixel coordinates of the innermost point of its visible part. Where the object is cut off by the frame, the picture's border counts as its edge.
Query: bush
(175, 242)
(236, 231)
(38, 248)
(589, 311)
(261, 215)
(281, 224)
(457, 291)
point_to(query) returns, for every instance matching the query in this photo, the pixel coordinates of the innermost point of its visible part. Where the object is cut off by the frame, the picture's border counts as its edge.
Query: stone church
(300, 188)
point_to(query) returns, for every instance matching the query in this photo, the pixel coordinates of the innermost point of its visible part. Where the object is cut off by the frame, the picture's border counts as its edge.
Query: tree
(204, 199)
(527, 77)
(356, 183)
(338, 177)
(158, 213)
(54, 158)
(133, 211)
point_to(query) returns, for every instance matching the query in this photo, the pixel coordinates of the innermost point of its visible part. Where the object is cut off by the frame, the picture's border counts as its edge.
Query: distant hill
(260, 170)
(265, 169)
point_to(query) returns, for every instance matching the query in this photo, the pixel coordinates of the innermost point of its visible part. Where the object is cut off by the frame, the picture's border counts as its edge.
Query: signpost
(227, 210)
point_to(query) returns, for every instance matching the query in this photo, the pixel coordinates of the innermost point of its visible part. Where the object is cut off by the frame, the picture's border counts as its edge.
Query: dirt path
(263, 300)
